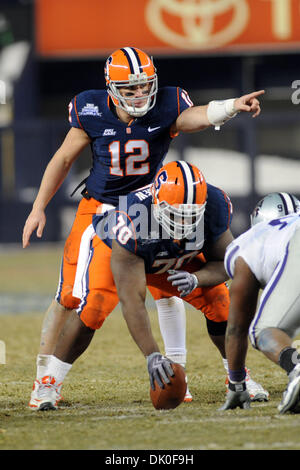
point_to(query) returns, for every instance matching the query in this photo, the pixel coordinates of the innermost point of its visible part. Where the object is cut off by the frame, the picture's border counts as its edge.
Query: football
(173, 393)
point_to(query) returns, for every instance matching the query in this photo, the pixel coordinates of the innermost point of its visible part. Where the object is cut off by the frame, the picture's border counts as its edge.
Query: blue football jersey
(133, 226)
(125, 156)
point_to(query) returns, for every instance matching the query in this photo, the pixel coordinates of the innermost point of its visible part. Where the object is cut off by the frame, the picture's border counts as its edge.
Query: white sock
(225, 363)
(42, 361)
(172, 322)
(58, 369)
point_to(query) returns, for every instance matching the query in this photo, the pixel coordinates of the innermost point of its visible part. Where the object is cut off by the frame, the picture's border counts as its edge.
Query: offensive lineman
(131, 252)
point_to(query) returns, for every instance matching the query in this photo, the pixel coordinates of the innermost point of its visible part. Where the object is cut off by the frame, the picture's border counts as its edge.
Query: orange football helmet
(179, 195)
(128, 67)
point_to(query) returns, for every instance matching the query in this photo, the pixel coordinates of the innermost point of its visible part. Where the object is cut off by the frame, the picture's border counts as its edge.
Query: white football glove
(184, 281)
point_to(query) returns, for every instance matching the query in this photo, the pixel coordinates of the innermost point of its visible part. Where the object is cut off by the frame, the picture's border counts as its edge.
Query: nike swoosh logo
(151, 129)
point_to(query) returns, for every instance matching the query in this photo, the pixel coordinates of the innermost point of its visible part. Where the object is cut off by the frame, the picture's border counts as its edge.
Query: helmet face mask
(274, 206)
(130, 67)
(131, 104)
(179, 196)
(179, 222)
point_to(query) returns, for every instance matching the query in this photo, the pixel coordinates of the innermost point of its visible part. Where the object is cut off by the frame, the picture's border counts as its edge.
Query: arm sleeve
(85, 111)
(73, 113)
(122, 229)
(183, 102)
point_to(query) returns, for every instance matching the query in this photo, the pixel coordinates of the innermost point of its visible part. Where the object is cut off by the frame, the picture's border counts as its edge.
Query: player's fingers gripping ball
(167, 382)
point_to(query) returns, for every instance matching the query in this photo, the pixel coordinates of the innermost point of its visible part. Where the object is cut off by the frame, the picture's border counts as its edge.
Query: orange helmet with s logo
(179, 196)
(128, 67)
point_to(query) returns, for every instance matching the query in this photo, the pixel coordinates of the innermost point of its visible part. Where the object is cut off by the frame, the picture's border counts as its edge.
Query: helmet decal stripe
(138, 59)
(293, 203)
(284, 203)
(194, 185)
(128, 59)
(188, 178)
(132, 60)
(287, 203)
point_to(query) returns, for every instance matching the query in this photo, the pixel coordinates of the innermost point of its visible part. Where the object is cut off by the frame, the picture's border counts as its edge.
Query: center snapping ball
(173, 393)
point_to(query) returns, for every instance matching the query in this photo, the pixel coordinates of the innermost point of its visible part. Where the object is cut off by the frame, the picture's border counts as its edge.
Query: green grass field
(106, 394)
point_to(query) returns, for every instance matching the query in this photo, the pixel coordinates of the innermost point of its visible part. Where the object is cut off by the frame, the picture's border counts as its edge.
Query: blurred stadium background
(53, 49)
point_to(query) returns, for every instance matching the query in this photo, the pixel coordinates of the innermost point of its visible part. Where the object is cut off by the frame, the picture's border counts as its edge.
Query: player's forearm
(241, 311)
(130, 279)
(75, 141)
(236, 345)
(193, 119)
(53, 178)
(212, 273)
(217, 112)
(138, 323)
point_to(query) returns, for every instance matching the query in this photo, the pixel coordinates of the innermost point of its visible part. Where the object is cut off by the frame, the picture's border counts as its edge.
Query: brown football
(173, 393)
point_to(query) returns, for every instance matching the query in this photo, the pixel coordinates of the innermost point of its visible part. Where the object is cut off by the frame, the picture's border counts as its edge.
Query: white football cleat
(291, 396)
(33, 403)
(45, 394)
(256, 391)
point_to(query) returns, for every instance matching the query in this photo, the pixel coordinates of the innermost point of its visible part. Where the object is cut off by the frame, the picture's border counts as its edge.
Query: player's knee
(265, 340)
(67, 300)
(94, 311)
(92, 318)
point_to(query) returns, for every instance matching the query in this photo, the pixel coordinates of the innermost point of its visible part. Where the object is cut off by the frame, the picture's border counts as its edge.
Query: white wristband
(195, 281)
(218, 112)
